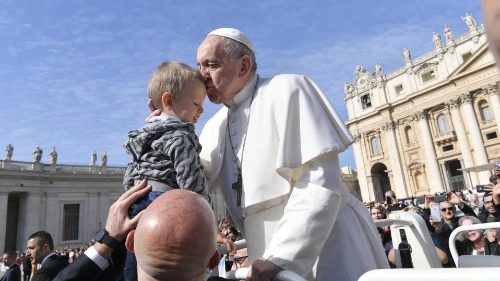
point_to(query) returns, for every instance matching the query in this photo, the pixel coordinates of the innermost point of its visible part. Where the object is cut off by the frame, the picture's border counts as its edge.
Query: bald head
(175, 238)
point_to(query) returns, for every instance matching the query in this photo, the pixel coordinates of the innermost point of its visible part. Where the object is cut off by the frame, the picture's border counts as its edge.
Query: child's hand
(153, 111)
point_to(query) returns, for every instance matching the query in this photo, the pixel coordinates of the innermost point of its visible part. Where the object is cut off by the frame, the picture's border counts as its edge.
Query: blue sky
(73, 74)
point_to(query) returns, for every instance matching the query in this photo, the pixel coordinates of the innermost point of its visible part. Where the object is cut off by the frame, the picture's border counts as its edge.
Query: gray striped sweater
(166, 150)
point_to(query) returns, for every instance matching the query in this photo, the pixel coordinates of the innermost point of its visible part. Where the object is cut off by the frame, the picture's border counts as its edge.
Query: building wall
(418, 153)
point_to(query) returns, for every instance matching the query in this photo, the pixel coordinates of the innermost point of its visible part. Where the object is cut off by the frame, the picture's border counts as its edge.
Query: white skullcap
(235, 34)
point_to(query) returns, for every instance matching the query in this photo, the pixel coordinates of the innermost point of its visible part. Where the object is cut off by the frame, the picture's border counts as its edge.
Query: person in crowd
(493, 245)
(26, 265)
(272, 191)
(41, 250)
(12, 272)
(166, 150)
(378, 212)
(488, 213)
(473, 242)
(441, 231)
(392, 202)
(175, 239)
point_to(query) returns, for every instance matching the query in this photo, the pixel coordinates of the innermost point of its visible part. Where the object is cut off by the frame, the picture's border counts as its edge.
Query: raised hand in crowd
(118, 223)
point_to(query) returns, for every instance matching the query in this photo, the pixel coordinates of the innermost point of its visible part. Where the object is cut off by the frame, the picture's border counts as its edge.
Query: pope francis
(273, 152)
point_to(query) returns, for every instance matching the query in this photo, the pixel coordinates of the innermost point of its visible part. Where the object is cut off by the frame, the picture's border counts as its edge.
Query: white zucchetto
(234, 34)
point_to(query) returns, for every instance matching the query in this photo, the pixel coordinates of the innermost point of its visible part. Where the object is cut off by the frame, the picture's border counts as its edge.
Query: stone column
(434, 180)
(463, 140)
(360, 165)
(4, 198)
(397, 171)
(53, 217)
(476, 136)
(35, 213)
(494, 99)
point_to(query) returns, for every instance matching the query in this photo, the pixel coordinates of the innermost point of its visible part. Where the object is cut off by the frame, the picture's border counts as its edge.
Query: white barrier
(433, 274)
(456, 231)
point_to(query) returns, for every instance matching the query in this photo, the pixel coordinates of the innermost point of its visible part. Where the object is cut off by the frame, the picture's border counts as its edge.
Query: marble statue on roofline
(9, 150)
(93, 158)
(448, 34)
(53, 156)
(436, 38)
(104, 159)
(470, 21)
(407, 56)
(378, 70)
(37, 154)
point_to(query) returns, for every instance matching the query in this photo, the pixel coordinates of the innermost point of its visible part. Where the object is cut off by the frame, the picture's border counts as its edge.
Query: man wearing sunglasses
(449, 221)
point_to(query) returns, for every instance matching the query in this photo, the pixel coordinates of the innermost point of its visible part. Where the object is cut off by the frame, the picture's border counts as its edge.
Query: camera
(440, 198)
(480, 188)
(421, 199)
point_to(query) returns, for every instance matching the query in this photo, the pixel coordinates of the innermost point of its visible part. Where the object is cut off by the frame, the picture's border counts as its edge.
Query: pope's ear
(214, 260)
(129, 241)
(246, 65)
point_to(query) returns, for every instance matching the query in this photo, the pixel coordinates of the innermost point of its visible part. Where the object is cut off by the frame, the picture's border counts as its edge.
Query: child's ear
(166, 99)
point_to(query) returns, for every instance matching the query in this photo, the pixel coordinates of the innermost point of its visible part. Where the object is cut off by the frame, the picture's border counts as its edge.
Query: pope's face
(219, 69)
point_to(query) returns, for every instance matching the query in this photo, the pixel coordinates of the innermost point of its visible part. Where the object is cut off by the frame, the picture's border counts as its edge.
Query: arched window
(443, 126)
(484, 110)
(375, 146)
(410, 136)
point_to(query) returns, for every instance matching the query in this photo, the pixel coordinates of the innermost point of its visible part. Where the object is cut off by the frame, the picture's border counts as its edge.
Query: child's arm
(187, 164)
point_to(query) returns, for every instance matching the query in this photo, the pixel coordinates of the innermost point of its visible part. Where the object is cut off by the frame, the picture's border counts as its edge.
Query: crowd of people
(456, 209)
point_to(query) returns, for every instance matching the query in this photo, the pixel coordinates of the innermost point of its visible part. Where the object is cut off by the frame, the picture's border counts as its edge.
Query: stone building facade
(69, 201)
(416, 129)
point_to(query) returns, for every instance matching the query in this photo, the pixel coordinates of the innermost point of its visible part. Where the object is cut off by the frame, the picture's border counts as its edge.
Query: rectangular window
(447, 147)
(399, 90)
(71, 217)
(466, 56)
(491, 136)
(366, 102)
(428, 75)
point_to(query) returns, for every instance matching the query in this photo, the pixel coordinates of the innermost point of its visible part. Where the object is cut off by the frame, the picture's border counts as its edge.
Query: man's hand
(496, 193)
(152, 110)
(455, 199)
(428, 200)
(262, 270)
(118, 223)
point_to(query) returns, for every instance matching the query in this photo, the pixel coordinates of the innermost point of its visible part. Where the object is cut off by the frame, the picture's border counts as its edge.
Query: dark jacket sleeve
(467, 210)
(82, 269)
(13, 274)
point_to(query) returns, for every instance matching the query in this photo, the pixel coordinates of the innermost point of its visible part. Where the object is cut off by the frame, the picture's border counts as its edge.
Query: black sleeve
(82, 269)
(467, 210)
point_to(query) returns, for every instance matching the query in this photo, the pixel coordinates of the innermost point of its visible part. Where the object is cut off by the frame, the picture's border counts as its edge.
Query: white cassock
(294, 211)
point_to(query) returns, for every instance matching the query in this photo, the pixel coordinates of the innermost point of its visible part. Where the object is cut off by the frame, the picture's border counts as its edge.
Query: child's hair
(170, 76)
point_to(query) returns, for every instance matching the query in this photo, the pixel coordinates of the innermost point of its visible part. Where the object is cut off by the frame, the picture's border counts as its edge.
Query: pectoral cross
(238, 187)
